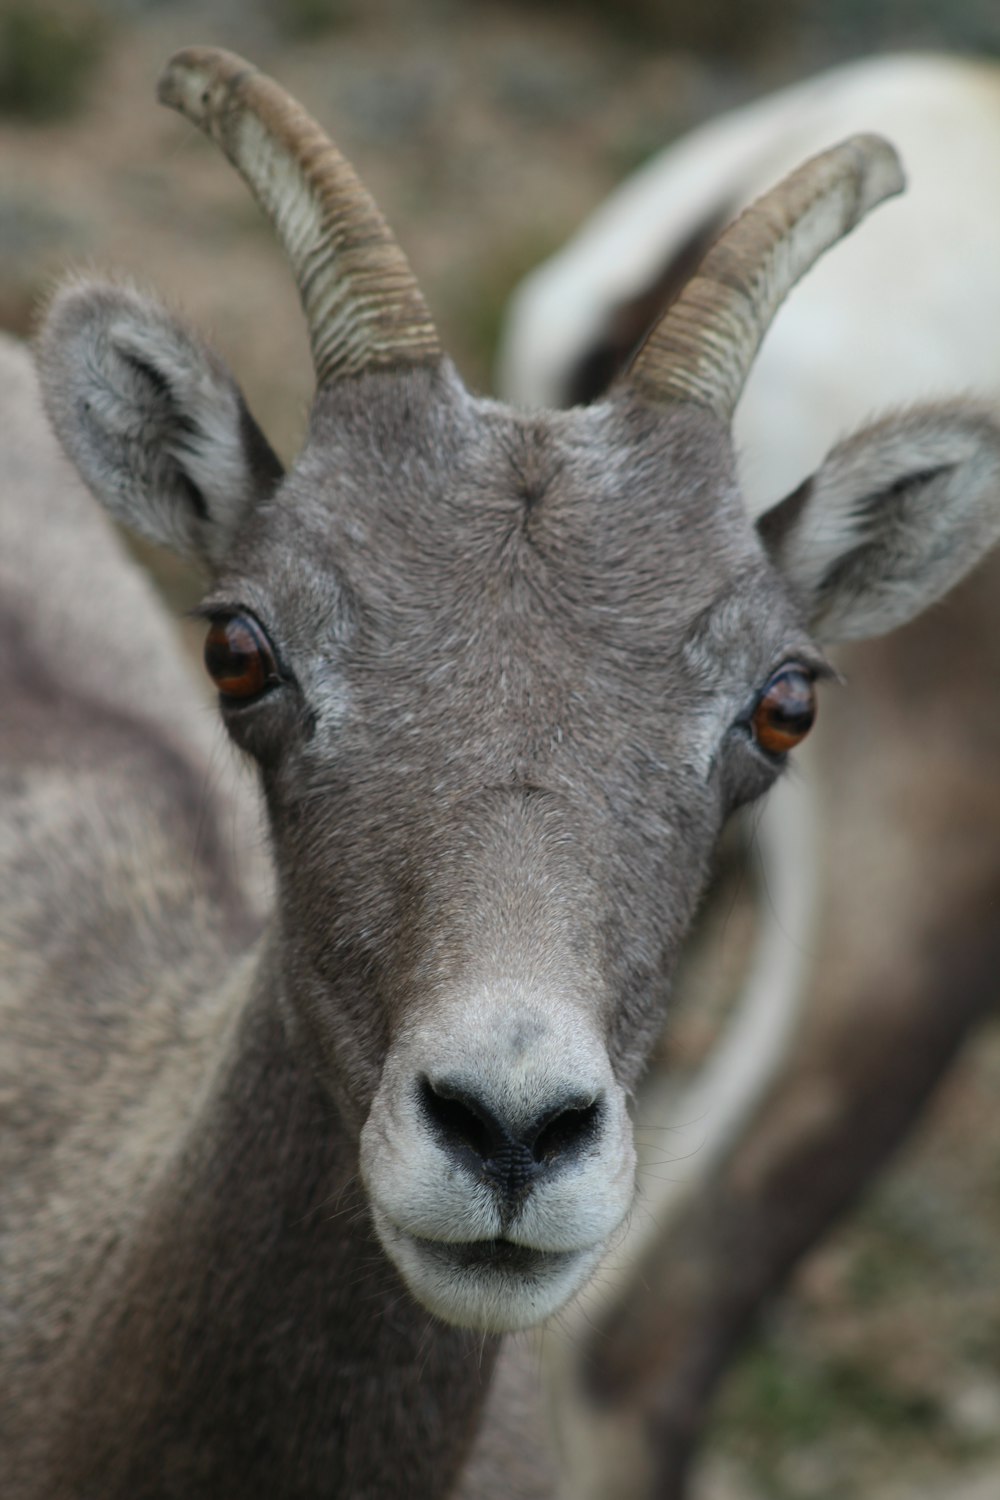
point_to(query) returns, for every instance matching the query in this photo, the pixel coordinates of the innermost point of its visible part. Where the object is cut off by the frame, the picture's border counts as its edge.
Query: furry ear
(891, 520)
(153, 420)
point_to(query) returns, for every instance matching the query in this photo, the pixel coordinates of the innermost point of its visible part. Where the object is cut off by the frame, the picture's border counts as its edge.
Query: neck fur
(257, 1339)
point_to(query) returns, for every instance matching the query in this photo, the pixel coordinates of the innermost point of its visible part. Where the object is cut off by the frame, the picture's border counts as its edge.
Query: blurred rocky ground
(486, 132)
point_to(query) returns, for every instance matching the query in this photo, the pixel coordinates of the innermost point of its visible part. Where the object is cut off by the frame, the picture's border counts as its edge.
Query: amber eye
(785, 711)
(238, 657)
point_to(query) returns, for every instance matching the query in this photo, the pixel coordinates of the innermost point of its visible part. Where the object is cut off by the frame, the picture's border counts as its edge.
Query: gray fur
(147, 411)
(519, 652)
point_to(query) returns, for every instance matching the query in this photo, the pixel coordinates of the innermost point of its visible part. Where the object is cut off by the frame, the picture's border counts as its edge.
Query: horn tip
(881, 172)
(194, 74)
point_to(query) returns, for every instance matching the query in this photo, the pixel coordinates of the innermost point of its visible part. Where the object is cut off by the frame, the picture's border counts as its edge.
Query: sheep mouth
(493, 1285)
(501, 1256)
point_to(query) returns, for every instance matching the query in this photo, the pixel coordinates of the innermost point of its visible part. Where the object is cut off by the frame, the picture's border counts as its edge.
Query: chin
(492, 1286)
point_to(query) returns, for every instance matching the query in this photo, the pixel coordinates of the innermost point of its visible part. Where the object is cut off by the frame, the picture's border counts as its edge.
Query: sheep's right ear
(152, 419)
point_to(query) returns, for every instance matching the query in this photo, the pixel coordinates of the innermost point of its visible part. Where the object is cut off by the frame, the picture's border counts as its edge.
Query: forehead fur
(427, 502)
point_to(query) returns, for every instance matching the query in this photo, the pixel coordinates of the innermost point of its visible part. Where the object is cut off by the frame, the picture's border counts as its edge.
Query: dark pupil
(790, 703)
(234, 659)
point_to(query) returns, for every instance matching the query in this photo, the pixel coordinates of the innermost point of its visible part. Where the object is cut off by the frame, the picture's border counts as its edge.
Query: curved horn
(704, 345)
(363, 306)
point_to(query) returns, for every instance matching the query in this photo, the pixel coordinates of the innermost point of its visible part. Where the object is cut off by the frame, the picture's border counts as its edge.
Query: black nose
(509, 1155)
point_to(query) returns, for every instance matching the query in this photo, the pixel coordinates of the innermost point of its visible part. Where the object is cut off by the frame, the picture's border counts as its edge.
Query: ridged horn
(704, 345)
(363, 306)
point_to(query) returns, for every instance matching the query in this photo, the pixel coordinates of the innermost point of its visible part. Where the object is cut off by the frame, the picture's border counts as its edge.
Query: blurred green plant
(48, 54)
(728, 28)
(302, 19)
(782, 1401)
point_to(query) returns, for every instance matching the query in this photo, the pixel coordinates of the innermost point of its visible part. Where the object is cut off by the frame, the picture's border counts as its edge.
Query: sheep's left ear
(891, 520)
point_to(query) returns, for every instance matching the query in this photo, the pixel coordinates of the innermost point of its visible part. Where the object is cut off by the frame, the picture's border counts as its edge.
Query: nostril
(565, 1131)
(459, 1119)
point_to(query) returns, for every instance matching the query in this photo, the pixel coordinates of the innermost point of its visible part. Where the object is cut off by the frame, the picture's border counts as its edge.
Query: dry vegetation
(487, 132)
